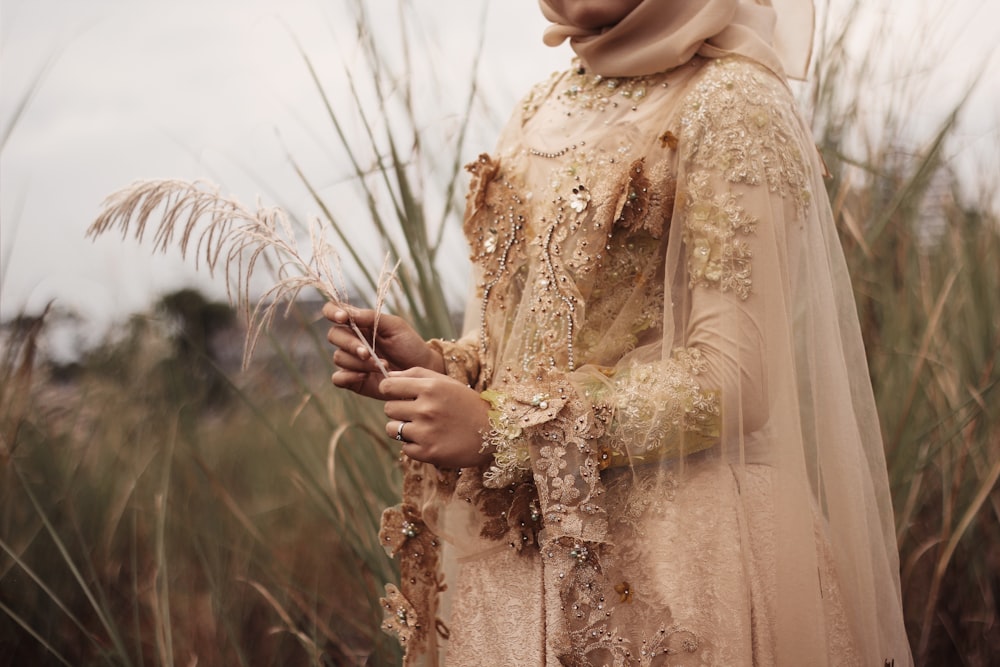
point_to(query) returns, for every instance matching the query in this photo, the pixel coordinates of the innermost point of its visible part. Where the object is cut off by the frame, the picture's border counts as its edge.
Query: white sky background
(217, 89)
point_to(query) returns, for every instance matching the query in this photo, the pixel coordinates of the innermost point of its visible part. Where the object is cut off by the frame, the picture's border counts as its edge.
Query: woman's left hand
(443, 420)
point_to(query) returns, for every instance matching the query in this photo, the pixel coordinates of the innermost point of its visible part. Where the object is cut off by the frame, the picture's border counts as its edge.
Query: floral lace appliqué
(741, 121)
(659, 411)
(717, 256)
(411, 610)
(645, 204)
(602, 609)
(508, 418)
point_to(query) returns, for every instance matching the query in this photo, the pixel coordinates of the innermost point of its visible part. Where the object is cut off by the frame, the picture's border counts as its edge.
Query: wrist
(434, 360)
(458, 359)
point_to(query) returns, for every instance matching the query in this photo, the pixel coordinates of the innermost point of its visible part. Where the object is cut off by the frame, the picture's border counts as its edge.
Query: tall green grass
(159, 507)
(152, 518)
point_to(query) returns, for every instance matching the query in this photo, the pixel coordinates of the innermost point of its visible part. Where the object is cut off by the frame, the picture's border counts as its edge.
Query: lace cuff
(511, 456)
(659, 411)
(461, 358)
(550, 432)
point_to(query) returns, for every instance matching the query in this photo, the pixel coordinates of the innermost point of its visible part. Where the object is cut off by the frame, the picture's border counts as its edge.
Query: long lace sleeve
(640, 413)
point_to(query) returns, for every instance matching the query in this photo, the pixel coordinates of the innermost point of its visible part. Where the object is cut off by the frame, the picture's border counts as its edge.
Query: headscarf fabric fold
(660, 34)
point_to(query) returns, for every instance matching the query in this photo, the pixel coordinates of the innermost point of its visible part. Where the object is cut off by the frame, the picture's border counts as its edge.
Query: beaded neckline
(557, 153)
(593, 91)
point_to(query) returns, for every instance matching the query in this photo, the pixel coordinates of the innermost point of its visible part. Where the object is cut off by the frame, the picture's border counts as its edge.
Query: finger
(343, 336)
(401, 387)
(401, 410)
(352, 380)
(330, 310)
(341, 313)
(363, 318)
(415, 451)
(414, 373)
(346, 330)
(348, 344)
(400, 427)
(412, 382)
(353, 362)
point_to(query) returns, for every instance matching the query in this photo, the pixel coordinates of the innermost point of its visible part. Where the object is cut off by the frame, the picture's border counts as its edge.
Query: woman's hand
(396, 343)
(443, 420)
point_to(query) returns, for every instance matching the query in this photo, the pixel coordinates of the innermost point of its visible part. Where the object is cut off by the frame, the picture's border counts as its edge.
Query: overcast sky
(217, 89)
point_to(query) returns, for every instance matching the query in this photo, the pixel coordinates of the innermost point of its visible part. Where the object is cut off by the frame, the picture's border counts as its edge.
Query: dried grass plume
(225, 235)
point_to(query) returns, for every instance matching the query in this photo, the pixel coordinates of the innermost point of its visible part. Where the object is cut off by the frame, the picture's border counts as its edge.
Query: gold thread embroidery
(742, 122)
(716, 256)
(659, 411)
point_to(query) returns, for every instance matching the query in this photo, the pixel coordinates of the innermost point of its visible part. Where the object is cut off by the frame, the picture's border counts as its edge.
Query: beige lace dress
(687, 466)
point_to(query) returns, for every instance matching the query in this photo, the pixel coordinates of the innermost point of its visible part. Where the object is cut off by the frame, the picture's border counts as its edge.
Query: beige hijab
(661, 34)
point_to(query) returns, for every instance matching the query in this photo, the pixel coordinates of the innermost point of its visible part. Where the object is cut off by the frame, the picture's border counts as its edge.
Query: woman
(656, 444)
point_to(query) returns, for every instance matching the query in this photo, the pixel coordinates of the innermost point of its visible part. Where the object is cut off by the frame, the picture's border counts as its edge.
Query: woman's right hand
(396, 343)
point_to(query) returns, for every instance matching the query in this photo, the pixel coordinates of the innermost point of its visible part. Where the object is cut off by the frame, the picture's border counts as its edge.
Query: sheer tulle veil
(820, 421)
